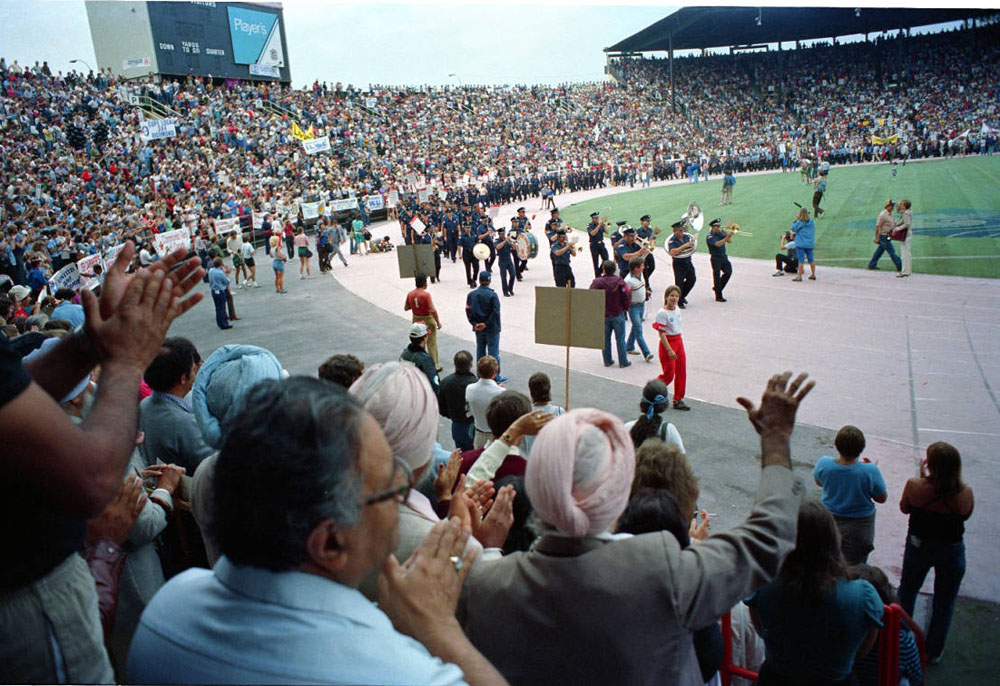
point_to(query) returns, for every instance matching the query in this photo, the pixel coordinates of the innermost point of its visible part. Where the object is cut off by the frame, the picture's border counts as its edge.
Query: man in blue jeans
(883, 238)
(617, 300)
(482, 307)
(637, 287)
(218, 282)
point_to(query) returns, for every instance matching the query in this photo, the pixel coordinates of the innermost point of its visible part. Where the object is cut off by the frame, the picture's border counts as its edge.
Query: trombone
(734, 228)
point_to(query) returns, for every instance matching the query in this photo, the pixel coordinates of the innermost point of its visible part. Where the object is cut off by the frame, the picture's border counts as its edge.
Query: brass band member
(680, 246)
(562, 250)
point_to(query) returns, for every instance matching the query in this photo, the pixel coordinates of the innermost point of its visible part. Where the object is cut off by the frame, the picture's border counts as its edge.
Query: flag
(894, 138)
(298, 133)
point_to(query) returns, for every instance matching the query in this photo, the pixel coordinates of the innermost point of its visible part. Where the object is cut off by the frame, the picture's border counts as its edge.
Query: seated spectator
(399, 398)
(479, 394)
(815, 621)
(866, 668)
(502, 457)
(21, 300)
(578, 484)
(57, 474)
(218, 394)
(342, 370)
(452, 400)
(166, 417)
(295, 545)
(66, 309)
(654, 509)
(662, 465)
(849, 488)
(650, 424)
(540, 388)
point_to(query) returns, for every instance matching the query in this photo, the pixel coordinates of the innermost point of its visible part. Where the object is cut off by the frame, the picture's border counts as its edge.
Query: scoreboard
(237, 40)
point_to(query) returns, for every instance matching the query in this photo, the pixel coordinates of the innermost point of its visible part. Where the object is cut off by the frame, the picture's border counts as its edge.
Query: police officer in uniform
(598, 251)
(505, 248)
(561, 252)
(645, 231)
(684, 275)
(450, 223)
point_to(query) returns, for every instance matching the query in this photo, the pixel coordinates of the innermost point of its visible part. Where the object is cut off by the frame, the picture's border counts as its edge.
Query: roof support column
(670, 48)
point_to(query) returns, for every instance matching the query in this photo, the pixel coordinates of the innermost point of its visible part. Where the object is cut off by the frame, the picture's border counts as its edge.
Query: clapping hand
(118, 518)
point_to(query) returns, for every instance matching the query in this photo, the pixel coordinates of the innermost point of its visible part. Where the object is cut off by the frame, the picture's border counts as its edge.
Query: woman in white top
(905, 221)
(673, 361)
(650, 423)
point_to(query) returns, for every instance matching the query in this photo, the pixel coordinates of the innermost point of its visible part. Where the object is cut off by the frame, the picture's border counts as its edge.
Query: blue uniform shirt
(482, 306)
(716, 243)
(560, 259)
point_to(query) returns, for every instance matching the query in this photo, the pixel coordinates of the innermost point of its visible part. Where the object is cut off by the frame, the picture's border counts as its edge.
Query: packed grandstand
(80, 180)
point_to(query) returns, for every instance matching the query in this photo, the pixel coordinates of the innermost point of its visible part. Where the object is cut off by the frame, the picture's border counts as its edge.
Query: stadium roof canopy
(696, 28)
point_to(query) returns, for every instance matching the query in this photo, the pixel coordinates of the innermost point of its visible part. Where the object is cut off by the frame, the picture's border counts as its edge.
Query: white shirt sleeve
(489, 462)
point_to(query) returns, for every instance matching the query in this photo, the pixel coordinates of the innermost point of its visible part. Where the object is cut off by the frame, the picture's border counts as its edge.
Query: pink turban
(400, 398)
(580, 472)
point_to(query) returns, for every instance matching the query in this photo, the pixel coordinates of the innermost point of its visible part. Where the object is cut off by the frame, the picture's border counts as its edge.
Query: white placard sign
(493, 211)
(86, 265)
(264, 70)
(375, 203)
(423, 195)
(370, 103)
(136, 63)
(393, 199)
(112, 254)
(169, 241)
(417, 224)
(310, 210)
(67, 277)
(316, 145)
(344, 205)
(411, 180)
(155, 129)
(226, 225)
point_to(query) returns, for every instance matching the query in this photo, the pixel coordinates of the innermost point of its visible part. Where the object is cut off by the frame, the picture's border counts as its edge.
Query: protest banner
(310, 210)
(169, 241)
(375, 203)
(67, 277)
(393, 199)
(86, 266)
(423, 195)
(344, 205)
(411, 180)
(417, 224)
(316, 145)
(226, 225)
(112, 253)
(257, 220)
(155, 129)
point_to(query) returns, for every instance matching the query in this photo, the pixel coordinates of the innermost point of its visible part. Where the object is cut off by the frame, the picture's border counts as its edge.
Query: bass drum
(526, 246)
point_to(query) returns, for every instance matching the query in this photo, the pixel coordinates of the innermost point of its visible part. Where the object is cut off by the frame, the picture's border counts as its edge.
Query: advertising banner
(316, 145)
(138, 63)
(256, 37)
(265, 70)
(310, 210)
(375, 203)
(169, 241)
(155, 129)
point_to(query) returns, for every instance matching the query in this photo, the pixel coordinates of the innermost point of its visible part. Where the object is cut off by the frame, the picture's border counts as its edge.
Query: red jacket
(617, 296)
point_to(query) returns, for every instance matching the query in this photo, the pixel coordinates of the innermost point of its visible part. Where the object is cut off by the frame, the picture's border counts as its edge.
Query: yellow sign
(298, 133)
(894, 138)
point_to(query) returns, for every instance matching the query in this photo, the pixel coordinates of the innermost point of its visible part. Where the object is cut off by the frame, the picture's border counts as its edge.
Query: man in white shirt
(478, 396)
(637, 309)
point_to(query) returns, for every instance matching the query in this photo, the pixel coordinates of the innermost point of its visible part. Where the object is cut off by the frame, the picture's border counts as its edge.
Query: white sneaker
(239, 285)
(255, 284)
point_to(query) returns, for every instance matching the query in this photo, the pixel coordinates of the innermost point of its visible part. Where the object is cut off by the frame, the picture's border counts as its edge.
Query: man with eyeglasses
(300, 525)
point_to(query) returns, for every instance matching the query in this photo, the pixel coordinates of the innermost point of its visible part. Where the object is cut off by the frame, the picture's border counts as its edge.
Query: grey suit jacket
(172, 434)
(594, 611)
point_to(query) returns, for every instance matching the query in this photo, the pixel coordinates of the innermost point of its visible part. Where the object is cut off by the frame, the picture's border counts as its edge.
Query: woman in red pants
(673, 361)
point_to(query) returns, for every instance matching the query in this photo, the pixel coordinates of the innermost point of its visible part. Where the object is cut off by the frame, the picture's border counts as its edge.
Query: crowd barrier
(893, 619)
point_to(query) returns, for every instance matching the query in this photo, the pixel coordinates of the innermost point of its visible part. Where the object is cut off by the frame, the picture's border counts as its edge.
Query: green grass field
(956, 209)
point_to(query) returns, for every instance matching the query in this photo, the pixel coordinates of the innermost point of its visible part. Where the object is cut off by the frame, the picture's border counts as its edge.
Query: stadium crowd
(134, 463)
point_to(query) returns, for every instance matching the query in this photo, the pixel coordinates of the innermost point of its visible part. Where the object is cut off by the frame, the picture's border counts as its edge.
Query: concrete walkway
(909, 361)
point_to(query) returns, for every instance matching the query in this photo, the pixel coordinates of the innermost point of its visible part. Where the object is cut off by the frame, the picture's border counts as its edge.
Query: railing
(893, 618)
(277, 110)
(155, 109)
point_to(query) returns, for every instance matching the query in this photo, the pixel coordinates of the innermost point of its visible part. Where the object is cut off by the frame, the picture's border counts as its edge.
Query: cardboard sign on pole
(419, 259)
(570, 317)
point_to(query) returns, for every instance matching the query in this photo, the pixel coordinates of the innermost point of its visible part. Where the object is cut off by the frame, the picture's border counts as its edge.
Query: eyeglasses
(400, 492)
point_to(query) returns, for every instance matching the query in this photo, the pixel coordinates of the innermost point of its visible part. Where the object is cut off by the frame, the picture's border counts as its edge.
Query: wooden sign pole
(569, 322)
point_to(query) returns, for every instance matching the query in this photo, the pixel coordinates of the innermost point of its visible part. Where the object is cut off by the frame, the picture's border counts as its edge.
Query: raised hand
(778, 404)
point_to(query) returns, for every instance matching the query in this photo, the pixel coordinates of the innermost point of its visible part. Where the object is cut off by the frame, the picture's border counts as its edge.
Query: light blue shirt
(848, 489)
(246, 625)
(217, 279)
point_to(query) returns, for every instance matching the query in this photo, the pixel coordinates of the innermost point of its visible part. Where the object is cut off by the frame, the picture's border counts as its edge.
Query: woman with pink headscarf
(400, 398)
(588, 606)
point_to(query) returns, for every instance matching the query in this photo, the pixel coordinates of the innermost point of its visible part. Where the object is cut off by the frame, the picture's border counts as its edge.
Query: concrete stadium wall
(121, 31)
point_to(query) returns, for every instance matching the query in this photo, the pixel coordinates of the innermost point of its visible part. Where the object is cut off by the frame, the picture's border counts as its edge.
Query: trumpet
(648, 244)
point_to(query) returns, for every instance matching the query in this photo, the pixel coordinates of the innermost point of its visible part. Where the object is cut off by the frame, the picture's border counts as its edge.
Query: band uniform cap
(560, 232)
(485, 276)
(624, 223)
(501, 229)
(677, 225)
(644, 218)
(715, 222)
(554, 210)
(521, 209)
(418, 330)
(595, 215)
